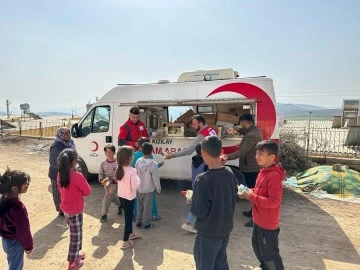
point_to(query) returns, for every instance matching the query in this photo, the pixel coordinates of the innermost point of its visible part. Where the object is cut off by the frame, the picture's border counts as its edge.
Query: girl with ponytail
(73, 187)
(128, 182)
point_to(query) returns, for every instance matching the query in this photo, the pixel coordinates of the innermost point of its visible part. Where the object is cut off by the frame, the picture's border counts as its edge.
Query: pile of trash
(334, 182)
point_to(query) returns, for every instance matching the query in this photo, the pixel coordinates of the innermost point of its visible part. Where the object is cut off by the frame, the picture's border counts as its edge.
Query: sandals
(130, 244)
(134, 236)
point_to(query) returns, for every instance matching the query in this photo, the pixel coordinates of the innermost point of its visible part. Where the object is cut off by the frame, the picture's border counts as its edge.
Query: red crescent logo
(96, 146)
(266, 113)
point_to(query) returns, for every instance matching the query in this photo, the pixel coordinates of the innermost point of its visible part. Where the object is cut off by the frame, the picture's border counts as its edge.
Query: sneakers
(249, 224)
(138, 225)
(156, 218)
(119, 211)
(75, 265)
(148, 227)
(103, 218)
(188, 228)
(247, 213)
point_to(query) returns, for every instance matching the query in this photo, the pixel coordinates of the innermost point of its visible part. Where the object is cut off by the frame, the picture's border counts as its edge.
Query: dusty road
(315, 234)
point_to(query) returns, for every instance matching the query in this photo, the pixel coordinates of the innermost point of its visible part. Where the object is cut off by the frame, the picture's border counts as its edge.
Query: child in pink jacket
(128, 182)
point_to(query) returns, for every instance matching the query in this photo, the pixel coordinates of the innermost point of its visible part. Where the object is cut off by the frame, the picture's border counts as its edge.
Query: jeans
(15, 253)
(191, 219)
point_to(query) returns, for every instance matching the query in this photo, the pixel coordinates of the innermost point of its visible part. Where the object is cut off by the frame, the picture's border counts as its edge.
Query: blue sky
(59, 55)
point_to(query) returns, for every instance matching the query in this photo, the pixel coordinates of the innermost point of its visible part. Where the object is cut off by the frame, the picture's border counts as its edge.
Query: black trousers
(250, 178)
(210, 253)
(266, 247)
(129, 214)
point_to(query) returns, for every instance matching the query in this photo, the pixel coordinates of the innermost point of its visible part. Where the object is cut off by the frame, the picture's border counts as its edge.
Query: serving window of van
(173, 118)
(96, 121)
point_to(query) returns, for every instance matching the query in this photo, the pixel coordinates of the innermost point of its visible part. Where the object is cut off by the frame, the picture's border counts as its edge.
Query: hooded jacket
(197, 166)
(148, 173)
(267, 196)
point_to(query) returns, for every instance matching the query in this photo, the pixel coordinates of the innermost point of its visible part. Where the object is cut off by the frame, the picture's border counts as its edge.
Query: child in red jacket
(73, 186)
(266, 201)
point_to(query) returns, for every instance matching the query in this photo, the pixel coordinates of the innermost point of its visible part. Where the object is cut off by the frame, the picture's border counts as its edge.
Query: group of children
(212, 205)
(131, 181)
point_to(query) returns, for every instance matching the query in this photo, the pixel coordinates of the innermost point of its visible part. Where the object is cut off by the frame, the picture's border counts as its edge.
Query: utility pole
(308, 135)
(8, 108)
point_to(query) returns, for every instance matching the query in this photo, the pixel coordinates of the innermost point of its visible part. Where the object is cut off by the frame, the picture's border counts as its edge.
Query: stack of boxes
(222, 122)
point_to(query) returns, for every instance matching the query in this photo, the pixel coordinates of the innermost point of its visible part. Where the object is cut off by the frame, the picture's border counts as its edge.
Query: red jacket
(267, 196)
(72, 197)
(130, 133)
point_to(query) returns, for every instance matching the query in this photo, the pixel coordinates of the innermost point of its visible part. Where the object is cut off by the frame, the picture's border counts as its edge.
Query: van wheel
(81, 167)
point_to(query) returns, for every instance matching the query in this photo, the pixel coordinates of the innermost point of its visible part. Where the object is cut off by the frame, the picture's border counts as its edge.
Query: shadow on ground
(305, 242)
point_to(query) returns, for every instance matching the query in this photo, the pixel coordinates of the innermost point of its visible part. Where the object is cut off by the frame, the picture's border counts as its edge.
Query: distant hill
(302, 110)
(285, 110)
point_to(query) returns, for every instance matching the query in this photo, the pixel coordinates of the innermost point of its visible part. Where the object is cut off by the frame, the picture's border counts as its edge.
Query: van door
(94, 132)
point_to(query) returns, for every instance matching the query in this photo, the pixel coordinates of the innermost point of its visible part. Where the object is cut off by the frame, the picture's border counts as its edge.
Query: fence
(323, 141)
(34, 128)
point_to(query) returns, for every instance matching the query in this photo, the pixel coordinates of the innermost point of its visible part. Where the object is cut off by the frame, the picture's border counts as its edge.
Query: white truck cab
(166, 107)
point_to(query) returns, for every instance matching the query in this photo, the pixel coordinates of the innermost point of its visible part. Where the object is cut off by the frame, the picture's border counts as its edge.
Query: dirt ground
(315, 234)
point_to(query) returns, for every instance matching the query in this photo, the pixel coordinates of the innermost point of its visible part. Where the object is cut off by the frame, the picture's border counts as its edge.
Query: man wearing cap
(246, 154)
(132, 130)
(198, 124)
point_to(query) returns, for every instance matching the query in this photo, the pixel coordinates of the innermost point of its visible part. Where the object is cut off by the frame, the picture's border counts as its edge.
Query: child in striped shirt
(107, 170)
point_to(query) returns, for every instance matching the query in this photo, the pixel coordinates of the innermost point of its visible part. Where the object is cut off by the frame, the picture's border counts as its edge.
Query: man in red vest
(132, 130)
(198, 124)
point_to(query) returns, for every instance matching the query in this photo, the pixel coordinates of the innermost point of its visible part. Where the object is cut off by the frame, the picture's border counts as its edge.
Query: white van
(219, 95)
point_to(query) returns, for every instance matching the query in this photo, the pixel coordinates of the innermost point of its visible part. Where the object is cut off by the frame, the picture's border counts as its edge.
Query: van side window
(96, 121)
(205, 109)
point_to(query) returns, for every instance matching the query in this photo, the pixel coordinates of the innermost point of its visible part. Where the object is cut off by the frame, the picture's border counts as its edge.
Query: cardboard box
(175, 129)
(185, 116)
(229, 118)
(160, 133)
(209, 118)
(224, 125)
(188, 120)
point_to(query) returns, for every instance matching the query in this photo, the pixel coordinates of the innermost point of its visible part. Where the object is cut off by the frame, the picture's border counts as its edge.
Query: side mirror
(75, 131)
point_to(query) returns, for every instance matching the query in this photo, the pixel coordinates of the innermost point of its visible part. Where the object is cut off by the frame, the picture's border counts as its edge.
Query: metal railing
(323, 141)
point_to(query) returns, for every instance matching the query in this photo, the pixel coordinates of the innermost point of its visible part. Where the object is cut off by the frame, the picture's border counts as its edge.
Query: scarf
(60, 137)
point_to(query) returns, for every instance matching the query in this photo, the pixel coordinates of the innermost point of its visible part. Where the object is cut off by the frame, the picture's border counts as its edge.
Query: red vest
(208, 131)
